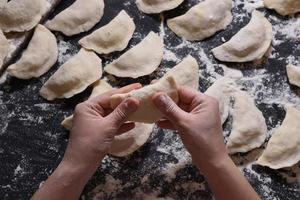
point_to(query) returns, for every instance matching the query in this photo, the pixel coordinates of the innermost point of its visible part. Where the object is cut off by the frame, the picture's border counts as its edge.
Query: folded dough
(283, 7)
(157, 6)
(111, 37)
(249, 129)
(4, 46)
(40, 55)
(74, 76)
(283, 149)
(81, 16)
(293, 73)
(147, 111)
(248, 44)
(141, 60)
(202, 20)
(21, 15)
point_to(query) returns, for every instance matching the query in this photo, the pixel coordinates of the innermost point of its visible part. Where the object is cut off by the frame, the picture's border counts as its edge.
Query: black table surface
(32, 142)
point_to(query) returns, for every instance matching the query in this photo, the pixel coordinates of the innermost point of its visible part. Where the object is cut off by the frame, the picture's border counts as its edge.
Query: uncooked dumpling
(4, 46)
(112, 37)
(147, 111)
(81, 16)
(249, 129)
(249, 44)
(40, 55)
(293, 73)
(74, 76)
(283, 7)
(141, 60)
(21, 15)
(283, 149)
(202, 20)
(157, 6)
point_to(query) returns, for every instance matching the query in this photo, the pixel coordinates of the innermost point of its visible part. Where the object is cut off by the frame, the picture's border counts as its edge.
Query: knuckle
(120, 114)
(80, 108)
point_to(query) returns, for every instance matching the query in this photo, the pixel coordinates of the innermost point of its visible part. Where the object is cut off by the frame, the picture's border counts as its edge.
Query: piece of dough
(141, 60)
(40, 55)
(81, 16)
(21, 15)
(147, 111)
(114, 36)
(157, 6)
(4, 47)
(283, 7)
(202, 20)
(283, 149)
(249, 129)
(74, 76)
(248, 44)
(293, 73)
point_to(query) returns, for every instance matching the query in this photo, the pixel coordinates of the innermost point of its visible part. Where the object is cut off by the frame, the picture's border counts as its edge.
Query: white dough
(248, 44)
(40, 55)
(4, 46)
(202, 20)
(283, 149)
(283, 7)
(141, 60)
(293, 73)
(157, 6)
(249, 129)
(21, 15)
(81, 16)
(74, 76)
(114, 36)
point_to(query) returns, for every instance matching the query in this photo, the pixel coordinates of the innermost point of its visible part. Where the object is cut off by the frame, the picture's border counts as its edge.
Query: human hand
(197, 119)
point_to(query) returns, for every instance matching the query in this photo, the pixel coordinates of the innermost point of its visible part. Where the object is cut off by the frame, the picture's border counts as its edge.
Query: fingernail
(164, 100)
(130, 105)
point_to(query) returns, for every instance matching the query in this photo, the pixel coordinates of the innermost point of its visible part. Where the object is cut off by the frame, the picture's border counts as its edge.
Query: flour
(65, 50)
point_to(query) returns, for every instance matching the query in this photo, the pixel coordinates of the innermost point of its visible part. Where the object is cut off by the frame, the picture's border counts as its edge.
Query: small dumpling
(293, 73)
(248, 44)
(4, 46)
(81, 16)
(21, 15)
(283, 7)
(141, 60)
(115, 36)
(283, 149)
(74, 76)
(147, 111)
(157, 6)
(202, 20)
(40, 55)
(249, 129)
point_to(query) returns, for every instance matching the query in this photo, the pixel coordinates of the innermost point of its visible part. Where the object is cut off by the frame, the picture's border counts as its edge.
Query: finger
(165, 125)
(153, 81)
(125, 128)
(187, 95)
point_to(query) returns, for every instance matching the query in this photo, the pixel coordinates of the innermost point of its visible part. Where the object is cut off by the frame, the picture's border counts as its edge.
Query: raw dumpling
(249, 129)
(283, 149)
(141, 60)
(4, 46)
(248, 44)
(283, 7)
(293, 73)
(81, 16)
(40, 55)
(147, 111)
(202, 20)
(157, 6)
(21, 15)
(112, 37)
(74, 76)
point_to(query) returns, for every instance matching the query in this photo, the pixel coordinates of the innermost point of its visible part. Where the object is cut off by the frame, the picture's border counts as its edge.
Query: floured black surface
(32, 141)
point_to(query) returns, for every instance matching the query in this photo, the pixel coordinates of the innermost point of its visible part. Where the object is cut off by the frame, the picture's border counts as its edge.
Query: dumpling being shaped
(140, 60)
(293, 73)
(74, 76)
(4, 46)
(40, 55)
(283, 148)
(157, 6)
(283, 7)
(114, 36)
(249, 129)
(249, 44)
(81, 16)
(202, 20)
(21, 15)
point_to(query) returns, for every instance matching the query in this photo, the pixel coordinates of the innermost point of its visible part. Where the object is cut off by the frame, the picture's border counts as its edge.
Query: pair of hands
(195, 117)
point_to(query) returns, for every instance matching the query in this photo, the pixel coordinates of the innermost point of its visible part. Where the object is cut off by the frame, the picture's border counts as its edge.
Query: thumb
(168, 107)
